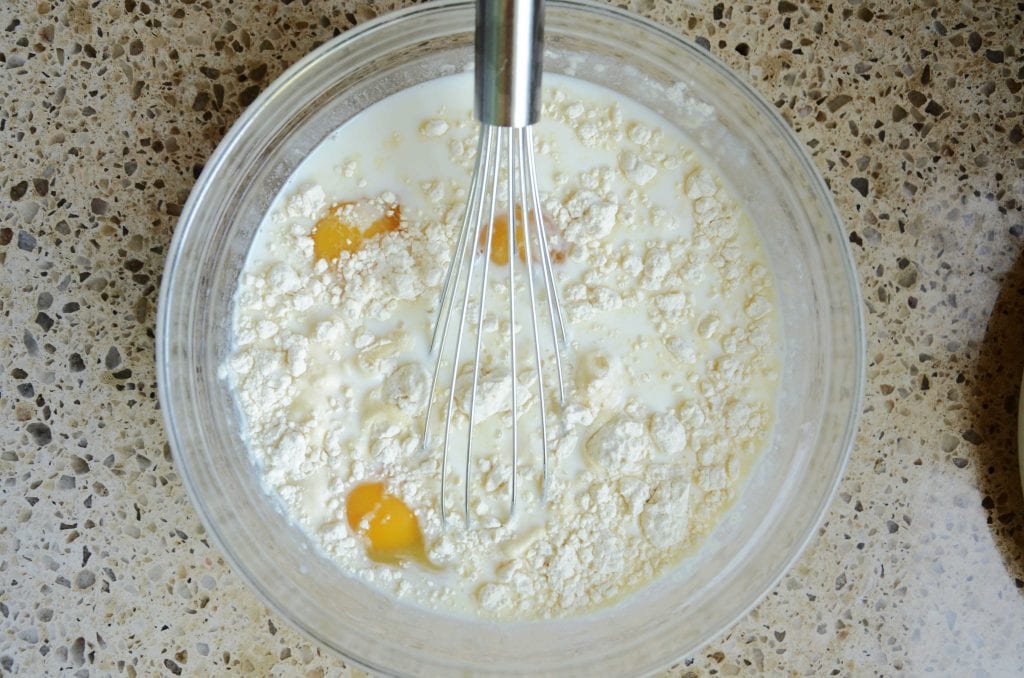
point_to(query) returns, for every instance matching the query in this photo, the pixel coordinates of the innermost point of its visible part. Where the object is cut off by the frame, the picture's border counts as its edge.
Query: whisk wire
(475, 211)
(481, 228)
(455, 264)
(513, 249)
(551, 290)
(531, 169)
(524, 150)
(454, 268)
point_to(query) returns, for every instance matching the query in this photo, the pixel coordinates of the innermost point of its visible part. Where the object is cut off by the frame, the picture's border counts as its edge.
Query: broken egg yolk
(389, 526)
(500, 250)
(347, 224)
(499, 239)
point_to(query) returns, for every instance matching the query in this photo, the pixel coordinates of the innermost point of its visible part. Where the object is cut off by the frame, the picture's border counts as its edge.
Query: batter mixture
(671, 379)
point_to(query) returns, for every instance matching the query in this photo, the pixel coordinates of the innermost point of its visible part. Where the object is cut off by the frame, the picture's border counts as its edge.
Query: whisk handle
(509, 51)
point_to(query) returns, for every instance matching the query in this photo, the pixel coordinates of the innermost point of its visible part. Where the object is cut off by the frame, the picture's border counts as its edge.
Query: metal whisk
(509, 45)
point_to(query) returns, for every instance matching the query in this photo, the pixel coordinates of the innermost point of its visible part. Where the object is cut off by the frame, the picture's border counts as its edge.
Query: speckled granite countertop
(913, 112)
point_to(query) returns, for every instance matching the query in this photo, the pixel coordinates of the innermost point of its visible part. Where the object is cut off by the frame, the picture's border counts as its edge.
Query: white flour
(673, 374)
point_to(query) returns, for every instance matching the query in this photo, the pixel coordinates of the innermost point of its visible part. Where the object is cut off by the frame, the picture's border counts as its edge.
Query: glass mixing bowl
(789, 487)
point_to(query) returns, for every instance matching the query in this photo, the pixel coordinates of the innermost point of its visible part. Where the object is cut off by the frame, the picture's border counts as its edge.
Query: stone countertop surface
(912, 111)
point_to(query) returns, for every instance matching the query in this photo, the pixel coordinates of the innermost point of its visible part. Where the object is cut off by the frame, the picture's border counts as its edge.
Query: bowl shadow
(993, 401)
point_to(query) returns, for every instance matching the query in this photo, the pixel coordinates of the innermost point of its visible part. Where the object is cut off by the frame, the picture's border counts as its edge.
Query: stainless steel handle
(509, 51)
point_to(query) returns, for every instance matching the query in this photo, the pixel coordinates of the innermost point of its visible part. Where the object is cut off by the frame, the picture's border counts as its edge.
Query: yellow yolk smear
(500, 245)
(388, 525)
(499, 239)
(348, 223)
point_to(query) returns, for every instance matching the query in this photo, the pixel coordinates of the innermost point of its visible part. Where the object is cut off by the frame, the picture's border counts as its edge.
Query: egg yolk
(347, 224)
(500, 245)
(389, 526)
(499, 240)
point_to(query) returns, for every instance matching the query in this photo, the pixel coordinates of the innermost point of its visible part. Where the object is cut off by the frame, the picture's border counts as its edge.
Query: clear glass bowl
(789, 488)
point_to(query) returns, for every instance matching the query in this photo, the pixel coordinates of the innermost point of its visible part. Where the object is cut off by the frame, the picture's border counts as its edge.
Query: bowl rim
(186, 224)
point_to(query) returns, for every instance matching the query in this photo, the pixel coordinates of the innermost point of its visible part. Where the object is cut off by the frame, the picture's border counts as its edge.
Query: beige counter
(913, 112)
